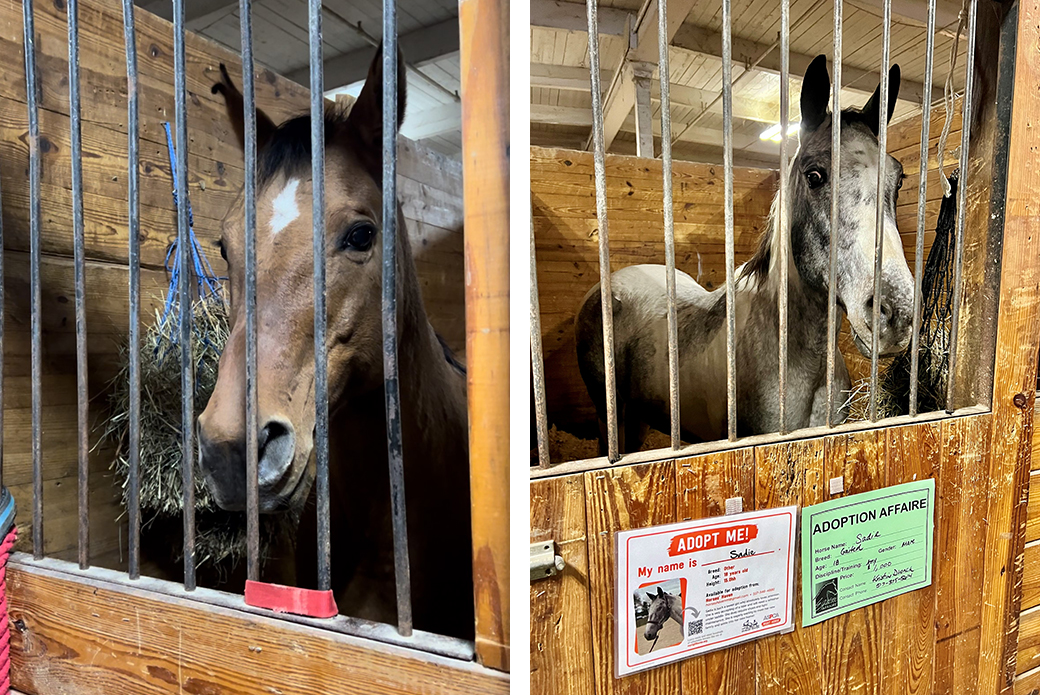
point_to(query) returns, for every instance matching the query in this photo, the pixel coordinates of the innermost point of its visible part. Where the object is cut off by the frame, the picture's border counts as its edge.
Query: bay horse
(640, 301)
(432, 384)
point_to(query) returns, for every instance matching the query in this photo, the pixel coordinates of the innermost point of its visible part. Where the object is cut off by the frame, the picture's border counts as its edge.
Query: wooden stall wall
(923, 642)
(430, 190)
(563, 202)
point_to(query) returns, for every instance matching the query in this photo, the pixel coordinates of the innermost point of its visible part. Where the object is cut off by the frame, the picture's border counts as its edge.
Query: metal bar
(962, 202)
(184, 299)
(76, 148)
(391, 382)
(537, 364)
(784, 203)
(134, 234)
(605, 294)
(373, 41)
(835, 180)
(31, 91)
(664, 72)
(922, 192)
(879, 220)
(748, 70)
(321, 374)
(731, 273)
(252, 426)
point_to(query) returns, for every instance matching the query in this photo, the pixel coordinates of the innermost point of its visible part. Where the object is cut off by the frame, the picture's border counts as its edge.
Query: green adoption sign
(865, 548)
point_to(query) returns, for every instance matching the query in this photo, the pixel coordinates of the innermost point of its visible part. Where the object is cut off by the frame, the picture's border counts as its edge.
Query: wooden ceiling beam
(566, 15)
(576, 79)
(419, 47)
(640, 58)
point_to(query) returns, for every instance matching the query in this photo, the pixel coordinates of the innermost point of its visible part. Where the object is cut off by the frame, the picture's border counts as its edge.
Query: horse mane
(289, 149)
(449, 354)
(757, 266)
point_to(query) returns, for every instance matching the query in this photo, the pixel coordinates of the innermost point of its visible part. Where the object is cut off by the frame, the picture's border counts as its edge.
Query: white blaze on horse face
(284, 209)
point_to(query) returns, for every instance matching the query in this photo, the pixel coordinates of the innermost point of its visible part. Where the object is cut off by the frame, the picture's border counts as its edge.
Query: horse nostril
(886, 311)
(275, 450)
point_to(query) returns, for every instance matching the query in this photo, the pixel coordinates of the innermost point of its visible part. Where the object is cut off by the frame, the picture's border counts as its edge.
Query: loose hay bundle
(220, 536)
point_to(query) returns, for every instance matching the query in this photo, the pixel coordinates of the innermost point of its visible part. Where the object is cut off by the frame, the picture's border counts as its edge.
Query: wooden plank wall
(919, 643)
(430, 185)
(1027, 668)
(563, 202)
(563, 205)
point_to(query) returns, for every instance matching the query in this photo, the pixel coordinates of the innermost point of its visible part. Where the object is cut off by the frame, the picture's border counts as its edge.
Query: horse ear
(816, 92)
(236, 111)
(871, 110)
(365, 122)
(651, 597)
(660, 592)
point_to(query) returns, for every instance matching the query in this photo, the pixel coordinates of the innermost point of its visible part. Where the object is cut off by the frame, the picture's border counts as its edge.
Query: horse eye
(899, 181)
(359, 237)
(815, 178)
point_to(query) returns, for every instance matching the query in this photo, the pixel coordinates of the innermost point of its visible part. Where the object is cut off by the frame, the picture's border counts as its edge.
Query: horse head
(659, 613)
(285, 297)
(810, 191)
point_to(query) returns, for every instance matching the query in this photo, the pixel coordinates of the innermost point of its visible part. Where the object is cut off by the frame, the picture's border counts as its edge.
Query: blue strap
(206, 281)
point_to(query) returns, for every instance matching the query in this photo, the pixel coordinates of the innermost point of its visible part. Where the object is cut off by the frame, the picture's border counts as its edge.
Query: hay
(220, 536)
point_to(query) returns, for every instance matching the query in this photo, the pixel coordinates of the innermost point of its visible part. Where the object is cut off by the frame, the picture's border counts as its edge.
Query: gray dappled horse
(663, 607)
(640, 300)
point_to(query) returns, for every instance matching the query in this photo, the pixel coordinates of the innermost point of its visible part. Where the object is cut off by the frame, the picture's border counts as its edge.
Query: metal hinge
(544, 560)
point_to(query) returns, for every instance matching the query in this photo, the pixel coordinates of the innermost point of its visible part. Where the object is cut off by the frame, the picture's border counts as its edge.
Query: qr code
(694, 627)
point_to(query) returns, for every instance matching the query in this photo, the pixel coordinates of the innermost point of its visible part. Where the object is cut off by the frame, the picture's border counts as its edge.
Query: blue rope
(207, 283)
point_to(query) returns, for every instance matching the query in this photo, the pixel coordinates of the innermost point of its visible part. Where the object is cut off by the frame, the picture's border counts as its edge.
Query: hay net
(936, 315)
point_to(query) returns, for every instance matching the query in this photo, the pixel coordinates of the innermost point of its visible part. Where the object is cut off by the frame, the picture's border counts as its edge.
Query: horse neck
(432, 393)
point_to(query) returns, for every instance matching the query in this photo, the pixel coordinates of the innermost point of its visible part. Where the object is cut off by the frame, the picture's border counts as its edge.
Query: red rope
(5, 624)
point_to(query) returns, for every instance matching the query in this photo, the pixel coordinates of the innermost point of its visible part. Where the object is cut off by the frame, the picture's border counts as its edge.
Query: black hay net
(936, 316)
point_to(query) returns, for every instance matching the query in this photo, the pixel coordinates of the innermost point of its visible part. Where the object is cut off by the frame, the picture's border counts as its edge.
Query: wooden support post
(484, 56)
(641, 75)
(1014, 378)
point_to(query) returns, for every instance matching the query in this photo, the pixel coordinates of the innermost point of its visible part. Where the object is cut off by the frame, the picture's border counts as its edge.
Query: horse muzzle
(223, 465)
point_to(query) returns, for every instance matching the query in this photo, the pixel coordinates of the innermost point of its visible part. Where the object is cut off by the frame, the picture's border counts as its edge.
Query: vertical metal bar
(664, 73)
(784, 202)
(731, 273)
(252, 426)
(184, 299)
(835, 180)
(392, 389)
(879, 227)
(605, 295)
(922, 193)
(78, 252)
(134, 218)
(962, 201)
(321, 375)
(31, 91)
(537, 364)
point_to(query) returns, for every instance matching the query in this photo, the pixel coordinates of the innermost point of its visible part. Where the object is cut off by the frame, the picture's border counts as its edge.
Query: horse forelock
(288, 151)
(815, 143)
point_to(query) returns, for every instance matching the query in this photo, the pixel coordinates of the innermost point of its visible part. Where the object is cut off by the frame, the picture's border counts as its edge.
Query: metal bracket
(544, 560)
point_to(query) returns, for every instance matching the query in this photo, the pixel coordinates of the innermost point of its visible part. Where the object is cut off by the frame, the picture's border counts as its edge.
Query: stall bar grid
(403, 633)
(833, 404)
